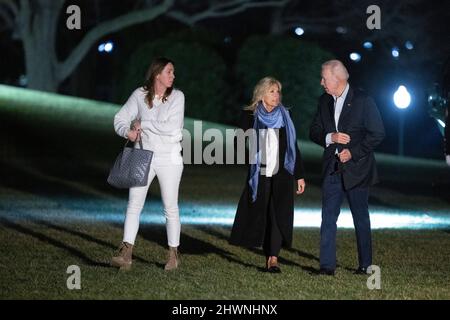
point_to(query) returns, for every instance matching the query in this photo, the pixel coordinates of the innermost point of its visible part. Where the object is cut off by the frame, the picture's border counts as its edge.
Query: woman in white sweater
(154, 114)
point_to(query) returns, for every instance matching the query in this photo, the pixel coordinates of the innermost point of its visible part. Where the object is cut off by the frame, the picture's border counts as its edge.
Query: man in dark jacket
(349, 126)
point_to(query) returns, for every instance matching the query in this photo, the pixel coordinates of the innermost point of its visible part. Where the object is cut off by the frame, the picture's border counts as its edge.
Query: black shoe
(327, 272)
(361, 271)
(274, 269)
(272, 265)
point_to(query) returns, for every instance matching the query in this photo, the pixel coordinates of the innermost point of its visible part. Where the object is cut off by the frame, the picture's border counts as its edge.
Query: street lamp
(402, 99)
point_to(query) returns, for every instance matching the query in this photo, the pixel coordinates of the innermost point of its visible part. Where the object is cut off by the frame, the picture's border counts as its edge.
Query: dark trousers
(272, 237)
(332, 195)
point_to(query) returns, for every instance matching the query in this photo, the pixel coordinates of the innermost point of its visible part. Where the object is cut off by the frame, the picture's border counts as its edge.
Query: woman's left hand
(301, 186)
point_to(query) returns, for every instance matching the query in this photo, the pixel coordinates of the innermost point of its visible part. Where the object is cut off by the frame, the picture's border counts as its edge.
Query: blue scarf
(278, 118)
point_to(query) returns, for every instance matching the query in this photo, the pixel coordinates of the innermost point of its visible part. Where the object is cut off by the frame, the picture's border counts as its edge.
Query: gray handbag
(131, 167)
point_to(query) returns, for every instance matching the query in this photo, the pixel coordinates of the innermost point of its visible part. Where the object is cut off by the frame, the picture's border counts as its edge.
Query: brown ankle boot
(173, 260)
(123, 259)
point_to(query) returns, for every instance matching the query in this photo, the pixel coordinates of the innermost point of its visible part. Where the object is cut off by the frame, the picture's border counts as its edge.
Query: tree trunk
(38, 27)
(40, 68)
(39, 36)
(39, 19)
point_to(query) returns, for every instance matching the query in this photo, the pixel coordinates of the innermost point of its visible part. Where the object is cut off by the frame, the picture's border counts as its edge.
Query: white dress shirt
(271, 152)
(338, 105)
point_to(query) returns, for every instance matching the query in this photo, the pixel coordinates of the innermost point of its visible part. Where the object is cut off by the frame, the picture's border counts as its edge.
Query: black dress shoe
(361, 271)
(327, 272)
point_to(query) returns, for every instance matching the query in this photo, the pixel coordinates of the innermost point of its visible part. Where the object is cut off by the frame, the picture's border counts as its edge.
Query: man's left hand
(300, 186)
(345, 155)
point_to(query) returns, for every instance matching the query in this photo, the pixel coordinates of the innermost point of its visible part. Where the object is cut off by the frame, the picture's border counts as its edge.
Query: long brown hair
(156, 67)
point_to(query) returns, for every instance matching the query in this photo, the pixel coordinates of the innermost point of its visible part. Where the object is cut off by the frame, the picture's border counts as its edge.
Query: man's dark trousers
(333, 193)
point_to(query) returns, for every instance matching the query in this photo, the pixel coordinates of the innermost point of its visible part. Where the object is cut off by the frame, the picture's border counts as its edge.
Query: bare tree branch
(223, 10)
(11, 5)
(24, 18)
(8, 14)
(6, 17)
(126, 20)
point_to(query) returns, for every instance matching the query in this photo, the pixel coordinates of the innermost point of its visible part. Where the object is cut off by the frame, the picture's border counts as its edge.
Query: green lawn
(36, 254)
(55, 155)
(40, 241)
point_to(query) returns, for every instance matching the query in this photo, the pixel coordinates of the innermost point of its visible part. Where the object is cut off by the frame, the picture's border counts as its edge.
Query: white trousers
(168, 171)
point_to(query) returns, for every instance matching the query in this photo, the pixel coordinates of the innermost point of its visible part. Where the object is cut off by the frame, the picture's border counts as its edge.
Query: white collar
(344, 93)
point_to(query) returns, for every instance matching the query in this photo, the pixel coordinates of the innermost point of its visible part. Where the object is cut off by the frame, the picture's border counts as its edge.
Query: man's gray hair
(337, 68)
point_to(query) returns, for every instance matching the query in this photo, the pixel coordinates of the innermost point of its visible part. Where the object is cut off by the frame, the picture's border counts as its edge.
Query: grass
(414, 265)
(41, 241)
(55, 155)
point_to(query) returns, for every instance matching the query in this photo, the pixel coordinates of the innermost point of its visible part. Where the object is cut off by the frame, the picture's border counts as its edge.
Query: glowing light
(402, 98)
(101, 47)
(368, 45)
(395, 52)
(214, 214)
(409, 45)
(354, 56)
(299, 31)
(106, 47)
(109, 47)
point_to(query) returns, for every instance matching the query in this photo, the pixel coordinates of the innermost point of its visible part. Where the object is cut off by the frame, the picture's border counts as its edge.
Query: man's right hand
(339, 137)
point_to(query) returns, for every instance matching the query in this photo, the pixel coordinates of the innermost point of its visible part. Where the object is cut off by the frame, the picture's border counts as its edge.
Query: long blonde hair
(260, 90)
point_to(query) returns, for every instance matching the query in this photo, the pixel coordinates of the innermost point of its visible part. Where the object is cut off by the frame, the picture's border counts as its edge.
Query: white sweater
(161, 125)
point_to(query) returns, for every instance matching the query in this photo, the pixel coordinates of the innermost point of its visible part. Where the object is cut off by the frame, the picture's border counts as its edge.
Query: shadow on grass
(35, 178)
(303, 254)
(56, 243)
(188, 244)
(71, 249)
(224, 236)
(84, 236)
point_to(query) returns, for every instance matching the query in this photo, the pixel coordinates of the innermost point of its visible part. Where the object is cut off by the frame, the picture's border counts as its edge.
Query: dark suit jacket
(361, 120)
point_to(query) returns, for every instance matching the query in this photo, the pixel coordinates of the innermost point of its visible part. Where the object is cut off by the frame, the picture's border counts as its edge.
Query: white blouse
(271, 149)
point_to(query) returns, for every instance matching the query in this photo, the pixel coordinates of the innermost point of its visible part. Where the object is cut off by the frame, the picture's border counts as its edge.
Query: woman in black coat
(265, 214)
